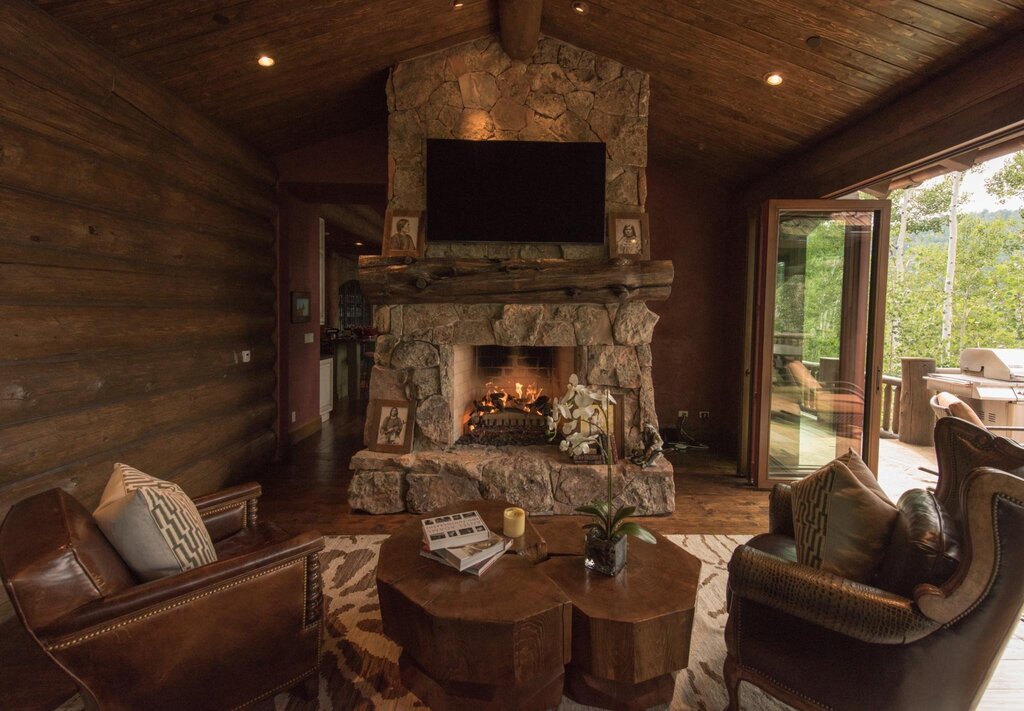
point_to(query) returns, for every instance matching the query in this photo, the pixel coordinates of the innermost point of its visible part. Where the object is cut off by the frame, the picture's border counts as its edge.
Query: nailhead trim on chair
(999, 555)
(287, 685)
(222, 509)
(152, 613)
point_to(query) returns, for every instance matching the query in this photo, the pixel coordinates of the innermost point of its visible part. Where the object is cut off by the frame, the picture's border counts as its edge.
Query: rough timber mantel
(405, 280)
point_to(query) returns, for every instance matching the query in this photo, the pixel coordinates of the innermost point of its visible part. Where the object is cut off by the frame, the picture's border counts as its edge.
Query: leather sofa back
(54, 558)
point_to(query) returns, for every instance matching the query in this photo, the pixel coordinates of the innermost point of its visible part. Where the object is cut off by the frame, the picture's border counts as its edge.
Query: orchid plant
(582, 412)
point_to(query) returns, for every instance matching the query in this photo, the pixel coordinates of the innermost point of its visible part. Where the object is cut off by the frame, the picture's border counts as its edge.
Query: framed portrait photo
(628, 235)
(300, 306)
(404, 234)
(392, 427)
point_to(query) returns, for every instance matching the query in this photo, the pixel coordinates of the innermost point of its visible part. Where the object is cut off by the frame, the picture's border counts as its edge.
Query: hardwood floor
(307, 491)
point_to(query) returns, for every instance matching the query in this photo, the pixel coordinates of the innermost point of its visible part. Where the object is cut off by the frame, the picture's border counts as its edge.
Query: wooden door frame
(764, 305)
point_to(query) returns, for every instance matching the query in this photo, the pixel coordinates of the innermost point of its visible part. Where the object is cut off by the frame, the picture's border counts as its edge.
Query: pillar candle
(515, 522)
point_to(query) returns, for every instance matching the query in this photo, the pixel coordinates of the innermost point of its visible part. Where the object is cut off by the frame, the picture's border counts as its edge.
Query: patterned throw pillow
(842, 519)
(153, 524)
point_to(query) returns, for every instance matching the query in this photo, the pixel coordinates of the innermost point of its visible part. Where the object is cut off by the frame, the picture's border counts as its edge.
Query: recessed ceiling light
(580, 8)
(457, 4)
(359, 244)
(814, 41)
(773, 78)
(266, 61)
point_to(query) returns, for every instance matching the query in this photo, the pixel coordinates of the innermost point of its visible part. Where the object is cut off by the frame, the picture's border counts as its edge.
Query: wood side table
(500, 641)
(629, 632)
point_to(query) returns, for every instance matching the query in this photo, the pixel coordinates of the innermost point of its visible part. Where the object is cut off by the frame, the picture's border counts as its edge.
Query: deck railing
(892, 386)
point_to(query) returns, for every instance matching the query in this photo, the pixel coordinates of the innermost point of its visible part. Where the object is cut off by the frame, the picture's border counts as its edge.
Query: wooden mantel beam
(398, 280)
(520, 26)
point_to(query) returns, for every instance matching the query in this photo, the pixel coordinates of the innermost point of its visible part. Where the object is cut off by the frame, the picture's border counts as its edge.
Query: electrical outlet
(293, 417)
(246, 356)
(705, 414)
(307, 338)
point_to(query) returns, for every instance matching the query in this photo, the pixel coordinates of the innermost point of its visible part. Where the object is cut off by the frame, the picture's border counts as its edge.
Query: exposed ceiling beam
(519, 21)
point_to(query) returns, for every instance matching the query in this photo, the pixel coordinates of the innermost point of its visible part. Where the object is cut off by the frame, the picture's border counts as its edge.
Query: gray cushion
(153, 524)
(842, 520)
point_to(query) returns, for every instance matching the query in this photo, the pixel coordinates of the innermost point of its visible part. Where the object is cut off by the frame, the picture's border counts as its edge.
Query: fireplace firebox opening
(503, 394)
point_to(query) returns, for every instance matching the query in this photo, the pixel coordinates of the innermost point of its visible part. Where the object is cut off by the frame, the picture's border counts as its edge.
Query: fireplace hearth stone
(541, 479)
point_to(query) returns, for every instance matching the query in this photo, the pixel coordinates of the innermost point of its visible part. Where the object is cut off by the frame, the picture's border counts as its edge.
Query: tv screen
(515, 191)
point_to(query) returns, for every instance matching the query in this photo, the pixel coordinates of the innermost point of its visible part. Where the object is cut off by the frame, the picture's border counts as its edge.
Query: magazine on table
(474, 558)
(454, 530)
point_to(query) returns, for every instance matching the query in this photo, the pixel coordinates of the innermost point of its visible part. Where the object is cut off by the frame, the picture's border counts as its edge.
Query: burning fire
(525, 396)
(509, 415)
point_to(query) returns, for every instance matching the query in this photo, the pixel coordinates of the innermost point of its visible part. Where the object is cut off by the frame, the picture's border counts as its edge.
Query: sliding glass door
(818, 335)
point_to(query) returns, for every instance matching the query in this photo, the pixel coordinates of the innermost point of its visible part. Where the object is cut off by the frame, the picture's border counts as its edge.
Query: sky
(974, 183)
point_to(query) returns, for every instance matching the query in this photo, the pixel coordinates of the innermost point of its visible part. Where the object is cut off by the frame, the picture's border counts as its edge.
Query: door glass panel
(819, 344)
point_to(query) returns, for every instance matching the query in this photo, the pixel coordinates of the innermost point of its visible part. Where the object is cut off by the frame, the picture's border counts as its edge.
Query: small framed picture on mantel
(404, 235)
(629, 235)
(391, 425)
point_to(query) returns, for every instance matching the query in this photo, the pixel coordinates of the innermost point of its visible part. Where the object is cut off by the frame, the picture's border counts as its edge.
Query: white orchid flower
(574, 379)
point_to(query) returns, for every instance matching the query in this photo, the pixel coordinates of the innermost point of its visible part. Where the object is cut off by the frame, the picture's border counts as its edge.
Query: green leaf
(636, 530)
(597, 526)
(590, 510)
(624, 512)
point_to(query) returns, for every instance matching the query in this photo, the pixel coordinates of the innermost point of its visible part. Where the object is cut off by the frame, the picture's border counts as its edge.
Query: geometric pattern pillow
(153, 524)
(842, 524)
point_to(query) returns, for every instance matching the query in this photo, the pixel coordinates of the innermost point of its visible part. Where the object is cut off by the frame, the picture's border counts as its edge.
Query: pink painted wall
(698, 342)
(300, 269)
(359, 157)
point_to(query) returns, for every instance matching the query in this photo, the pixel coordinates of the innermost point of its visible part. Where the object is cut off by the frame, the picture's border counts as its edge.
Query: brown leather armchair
(220, 636)
(819, 641)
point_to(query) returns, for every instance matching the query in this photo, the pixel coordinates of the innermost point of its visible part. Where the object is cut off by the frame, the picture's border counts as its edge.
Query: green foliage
(1008, 181)
(988, 291)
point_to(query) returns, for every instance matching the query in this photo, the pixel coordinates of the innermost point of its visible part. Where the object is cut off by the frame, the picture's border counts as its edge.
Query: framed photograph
(628, 235)
(300, 306)
(393, 423)
(404, 234)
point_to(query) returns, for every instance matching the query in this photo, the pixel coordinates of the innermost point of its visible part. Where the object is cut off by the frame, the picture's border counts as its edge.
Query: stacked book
(462, 541)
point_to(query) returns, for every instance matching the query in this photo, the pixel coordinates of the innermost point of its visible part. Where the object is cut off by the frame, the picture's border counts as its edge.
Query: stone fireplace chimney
(475, 91)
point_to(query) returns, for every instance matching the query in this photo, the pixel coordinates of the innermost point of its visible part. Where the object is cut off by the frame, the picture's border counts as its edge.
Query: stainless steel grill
(991, 381)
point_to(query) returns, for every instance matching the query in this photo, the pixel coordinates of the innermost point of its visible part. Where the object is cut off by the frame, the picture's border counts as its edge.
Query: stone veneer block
(377, 492)
(541, 479)
(428, 492)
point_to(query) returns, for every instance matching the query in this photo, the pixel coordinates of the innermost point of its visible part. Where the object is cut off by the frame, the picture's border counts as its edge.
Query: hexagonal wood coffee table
(631, 631)
(500, 641)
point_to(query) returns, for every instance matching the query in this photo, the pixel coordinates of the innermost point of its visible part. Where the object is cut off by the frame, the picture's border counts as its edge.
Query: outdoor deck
(900, 467)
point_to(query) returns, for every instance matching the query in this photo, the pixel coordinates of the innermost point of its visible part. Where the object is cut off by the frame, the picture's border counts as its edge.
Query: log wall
(136, 264)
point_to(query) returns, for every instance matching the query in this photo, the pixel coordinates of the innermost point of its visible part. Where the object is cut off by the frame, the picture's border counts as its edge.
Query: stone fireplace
(431, 353)
(441, 352)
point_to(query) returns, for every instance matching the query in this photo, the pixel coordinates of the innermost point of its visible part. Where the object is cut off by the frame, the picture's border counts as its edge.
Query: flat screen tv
(515, 191)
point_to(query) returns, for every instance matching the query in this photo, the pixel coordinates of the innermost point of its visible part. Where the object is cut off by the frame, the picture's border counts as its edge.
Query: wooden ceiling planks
(707, 59)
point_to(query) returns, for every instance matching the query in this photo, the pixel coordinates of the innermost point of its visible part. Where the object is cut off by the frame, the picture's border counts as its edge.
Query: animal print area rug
(360, 664)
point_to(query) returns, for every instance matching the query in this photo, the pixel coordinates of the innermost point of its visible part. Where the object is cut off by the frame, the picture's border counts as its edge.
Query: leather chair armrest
(780, 510)
(228, 511)
(154, 597)
(837, 604)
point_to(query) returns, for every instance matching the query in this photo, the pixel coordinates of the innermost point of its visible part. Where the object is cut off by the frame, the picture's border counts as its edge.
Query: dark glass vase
(602, 555)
